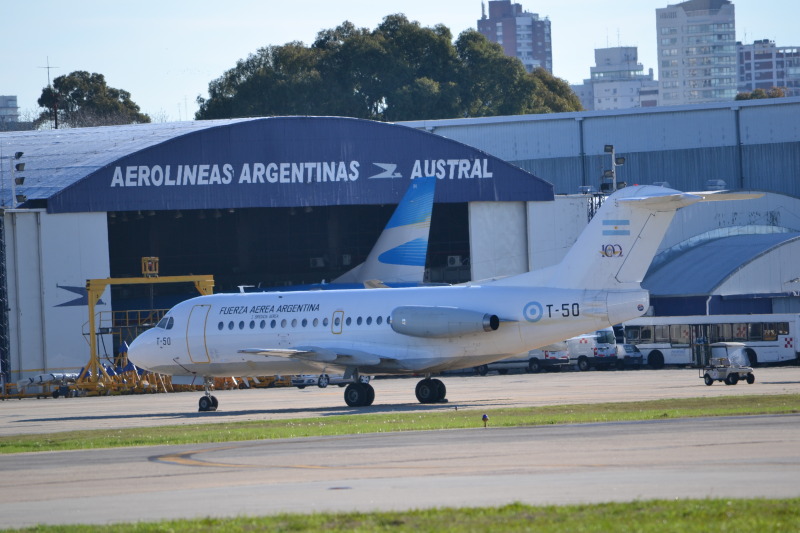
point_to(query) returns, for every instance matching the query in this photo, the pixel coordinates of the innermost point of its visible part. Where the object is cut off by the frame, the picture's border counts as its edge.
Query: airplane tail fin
(616, 248)
(399, 254)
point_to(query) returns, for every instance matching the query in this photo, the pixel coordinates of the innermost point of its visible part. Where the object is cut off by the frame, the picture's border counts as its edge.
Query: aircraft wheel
(207, 403)
(751, 378)
(214, 403)
(441, 390)
(426, 391)
(707, 379)
(323, 381)
(356, 395)
(370, 394)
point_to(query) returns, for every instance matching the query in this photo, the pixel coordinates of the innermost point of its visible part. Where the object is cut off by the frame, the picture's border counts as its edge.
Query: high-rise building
(522, 34)
(762, 65)
(617, 81)
(9, 112)
(696, 52)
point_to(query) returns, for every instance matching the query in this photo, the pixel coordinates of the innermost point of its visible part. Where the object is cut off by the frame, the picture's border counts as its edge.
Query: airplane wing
(318, 354)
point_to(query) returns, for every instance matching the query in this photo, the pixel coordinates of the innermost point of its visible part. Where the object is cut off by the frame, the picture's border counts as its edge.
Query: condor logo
(611, 250)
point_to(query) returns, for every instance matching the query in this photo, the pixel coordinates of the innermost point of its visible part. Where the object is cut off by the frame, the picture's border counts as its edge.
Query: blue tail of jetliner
(399, 255)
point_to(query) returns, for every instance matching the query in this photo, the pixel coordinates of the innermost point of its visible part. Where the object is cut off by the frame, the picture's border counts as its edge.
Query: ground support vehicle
(720, 369)
(728, 363)
(629, 356)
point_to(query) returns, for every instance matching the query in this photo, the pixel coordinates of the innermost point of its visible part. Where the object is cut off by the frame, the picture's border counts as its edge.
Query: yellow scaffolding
(94, 377)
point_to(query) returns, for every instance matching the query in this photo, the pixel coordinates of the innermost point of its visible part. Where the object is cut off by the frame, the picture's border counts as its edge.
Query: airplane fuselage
(217, 335)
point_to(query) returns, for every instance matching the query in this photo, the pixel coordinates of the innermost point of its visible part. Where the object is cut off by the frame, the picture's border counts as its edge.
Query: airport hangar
(317, 191)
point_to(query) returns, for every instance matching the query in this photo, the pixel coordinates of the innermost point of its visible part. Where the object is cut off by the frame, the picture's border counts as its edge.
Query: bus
(686, 340)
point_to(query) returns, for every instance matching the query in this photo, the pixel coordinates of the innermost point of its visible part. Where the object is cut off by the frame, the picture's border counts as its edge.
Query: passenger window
(770, 333)
(230, 324)
(241, 324)
(252, 324)
(263, 324)
(305, 322)
(358, 321)
(220, 326)
(348, 321)
(369, 320)
(316, 322)
(783, 328)
(294, 322)
(283, 323)
(273, 324)
(336, 321)
(739, 332)
(379, 320)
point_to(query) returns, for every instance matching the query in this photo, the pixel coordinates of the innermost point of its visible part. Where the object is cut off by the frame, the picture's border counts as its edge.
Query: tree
(758, 94)
(398, 71)
(80, 99)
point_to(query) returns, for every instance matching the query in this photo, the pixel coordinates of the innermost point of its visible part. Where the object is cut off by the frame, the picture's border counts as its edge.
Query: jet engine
(436, 322)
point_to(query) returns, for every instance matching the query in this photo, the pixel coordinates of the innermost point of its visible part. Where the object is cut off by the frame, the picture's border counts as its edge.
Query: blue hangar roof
(700, 270)
(256, 162)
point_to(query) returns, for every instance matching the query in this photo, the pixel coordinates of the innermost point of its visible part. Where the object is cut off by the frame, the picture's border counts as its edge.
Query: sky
(166, 52)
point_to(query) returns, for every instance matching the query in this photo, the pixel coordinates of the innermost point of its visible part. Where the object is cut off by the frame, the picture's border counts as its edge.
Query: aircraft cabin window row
(337, 321)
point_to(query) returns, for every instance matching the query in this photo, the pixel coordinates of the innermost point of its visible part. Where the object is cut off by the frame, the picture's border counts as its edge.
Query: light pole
(615, 162)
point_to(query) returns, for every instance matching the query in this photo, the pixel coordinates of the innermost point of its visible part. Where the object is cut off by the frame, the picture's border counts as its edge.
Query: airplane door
(337, 322)
(196, 334)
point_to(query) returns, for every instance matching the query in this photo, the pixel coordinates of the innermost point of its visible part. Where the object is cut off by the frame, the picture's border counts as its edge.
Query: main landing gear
(359, 394)
(208, 402)
(431, 391)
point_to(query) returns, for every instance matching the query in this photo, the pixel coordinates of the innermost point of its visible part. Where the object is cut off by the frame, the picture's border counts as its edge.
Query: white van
(593, 350)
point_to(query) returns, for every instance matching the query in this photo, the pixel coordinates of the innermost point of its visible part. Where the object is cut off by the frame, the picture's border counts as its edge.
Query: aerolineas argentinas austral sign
(308, 172)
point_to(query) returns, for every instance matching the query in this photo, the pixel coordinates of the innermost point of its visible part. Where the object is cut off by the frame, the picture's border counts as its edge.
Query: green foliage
(398, 71)
(758, 94)
(80, 99)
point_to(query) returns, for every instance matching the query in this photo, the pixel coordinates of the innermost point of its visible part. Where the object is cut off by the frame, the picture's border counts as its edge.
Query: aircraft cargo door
(196, 334)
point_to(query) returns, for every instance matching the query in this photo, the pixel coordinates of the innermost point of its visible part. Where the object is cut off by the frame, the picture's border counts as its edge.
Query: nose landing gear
(208, 402)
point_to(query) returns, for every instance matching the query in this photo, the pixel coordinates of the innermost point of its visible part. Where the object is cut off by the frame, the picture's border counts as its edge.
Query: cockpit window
(166, 323)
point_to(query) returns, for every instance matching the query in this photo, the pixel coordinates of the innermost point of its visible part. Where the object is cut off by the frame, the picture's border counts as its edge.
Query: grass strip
(662, 516)
(441, 418)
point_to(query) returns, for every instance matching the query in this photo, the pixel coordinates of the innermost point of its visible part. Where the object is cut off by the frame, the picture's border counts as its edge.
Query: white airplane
(421, 330)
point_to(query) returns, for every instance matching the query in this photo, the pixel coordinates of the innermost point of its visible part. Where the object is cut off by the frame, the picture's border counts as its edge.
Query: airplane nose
(138, 352)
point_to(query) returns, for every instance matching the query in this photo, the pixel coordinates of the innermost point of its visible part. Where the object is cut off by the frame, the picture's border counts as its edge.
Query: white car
(323, 380)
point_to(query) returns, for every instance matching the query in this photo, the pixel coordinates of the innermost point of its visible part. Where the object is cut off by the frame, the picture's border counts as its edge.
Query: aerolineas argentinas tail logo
(533, 312)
